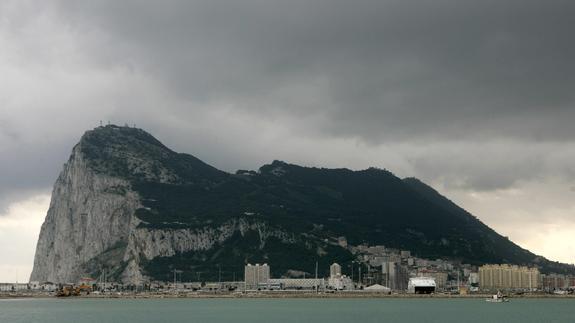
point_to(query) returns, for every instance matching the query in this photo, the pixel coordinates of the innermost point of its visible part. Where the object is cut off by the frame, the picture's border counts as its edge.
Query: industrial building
(257, 277)
(440, 278)
(296, 283)
(13, 287)
(421, 285)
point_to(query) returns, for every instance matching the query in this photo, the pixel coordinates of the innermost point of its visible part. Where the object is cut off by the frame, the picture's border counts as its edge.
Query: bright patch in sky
(19, 230)
(538, 216)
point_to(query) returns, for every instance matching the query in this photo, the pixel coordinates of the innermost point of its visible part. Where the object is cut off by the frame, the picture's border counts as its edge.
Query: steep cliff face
(126, 205)
(89, 214)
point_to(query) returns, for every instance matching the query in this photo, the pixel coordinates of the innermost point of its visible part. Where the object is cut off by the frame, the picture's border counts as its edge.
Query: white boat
(497, 298)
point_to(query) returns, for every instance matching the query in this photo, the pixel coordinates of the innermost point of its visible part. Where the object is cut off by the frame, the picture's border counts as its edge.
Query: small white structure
(421, 285)
(48, 286)
(34, 285)
(378, 289)
(340, 283)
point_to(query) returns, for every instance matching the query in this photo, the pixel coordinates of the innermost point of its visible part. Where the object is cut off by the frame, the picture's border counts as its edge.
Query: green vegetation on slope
(313, 204)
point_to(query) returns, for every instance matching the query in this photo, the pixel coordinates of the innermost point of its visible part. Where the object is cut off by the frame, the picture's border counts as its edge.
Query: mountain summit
(127, 205)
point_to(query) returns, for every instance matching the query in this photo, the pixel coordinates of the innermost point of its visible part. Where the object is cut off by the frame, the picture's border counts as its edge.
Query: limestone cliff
(89, 214)
(91, 225)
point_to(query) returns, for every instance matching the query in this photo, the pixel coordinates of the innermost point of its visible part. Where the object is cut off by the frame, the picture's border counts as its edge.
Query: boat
(498, 298)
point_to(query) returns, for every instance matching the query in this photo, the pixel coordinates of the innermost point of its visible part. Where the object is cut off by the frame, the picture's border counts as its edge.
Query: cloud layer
(379, 70)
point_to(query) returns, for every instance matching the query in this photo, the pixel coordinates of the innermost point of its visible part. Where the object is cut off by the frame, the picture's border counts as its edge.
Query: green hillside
(313, 205)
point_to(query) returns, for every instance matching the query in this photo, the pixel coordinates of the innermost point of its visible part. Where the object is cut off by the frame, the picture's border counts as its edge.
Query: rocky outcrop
(89, 214)
(165, 243)
(91, 227)
(146, 244)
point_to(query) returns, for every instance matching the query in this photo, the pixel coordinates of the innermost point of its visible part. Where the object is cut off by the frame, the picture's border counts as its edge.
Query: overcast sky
(475, 98)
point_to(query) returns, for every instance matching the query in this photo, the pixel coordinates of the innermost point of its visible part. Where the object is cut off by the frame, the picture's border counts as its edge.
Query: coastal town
(376, 270)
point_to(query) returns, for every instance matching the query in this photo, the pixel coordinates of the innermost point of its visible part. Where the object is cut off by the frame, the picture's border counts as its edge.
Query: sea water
(285, 310)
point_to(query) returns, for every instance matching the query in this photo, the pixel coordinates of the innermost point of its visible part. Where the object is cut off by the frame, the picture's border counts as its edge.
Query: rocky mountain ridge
(127, 205)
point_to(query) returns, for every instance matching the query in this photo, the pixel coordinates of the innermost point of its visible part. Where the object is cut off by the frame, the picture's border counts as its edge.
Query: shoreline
(278, 295)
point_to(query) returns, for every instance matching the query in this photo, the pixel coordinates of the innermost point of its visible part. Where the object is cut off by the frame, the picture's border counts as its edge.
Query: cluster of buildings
(556, 282)
(31, 286)
(393, 278)
(400, 271)
(395, 269)
(375, 268)
(257, 277)
(511, 277)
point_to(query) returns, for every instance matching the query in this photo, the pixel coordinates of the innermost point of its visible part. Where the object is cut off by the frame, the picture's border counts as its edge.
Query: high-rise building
(555, 281)
(395, 276)
(508, 277)
(474, 279)
(335, 270)
(257, 274)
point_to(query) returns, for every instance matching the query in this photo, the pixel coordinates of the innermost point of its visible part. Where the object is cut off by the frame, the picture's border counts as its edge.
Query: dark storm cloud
(27, 169)
(417, 77)
(486, 167)
(380, 70)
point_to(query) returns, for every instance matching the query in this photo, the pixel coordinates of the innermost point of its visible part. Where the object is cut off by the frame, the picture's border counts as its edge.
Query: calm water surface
(284, 310)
